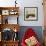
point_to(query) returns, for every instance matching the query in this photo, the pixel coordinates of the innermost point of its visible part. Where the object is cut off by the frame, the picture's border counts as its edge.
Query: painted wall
(30, 3)
(37, 29)
(26, 3)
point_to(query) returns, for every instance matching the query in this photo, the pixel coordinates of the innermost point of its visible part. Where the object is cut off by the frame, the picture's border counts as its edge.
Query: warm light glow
(15, 30)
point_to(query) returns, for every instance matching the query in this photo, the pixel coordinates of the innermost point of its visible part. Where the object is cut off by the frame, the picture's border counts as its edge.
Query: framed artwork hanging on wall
(30, 13)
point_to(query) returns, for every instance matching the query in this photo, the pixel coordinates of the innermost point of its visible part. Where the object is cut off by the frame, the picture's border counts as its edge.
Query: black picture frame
(30, 13)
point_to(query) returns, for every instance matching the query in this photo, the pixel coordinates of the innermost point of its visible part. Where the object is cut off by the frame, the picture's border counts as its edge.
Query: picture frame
(30, 13)
(5, 12)
(13, 12)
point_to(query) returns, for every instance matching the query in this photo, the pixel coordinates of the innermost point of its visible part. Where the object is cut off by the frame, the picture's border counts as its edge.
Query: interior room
(22, 23)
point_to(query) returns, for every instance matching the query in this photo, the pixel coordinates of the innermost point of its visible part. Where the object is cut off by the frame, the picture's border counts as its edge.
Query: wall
(37, 29)
(26, 3)
(30, 3)
(37, 25)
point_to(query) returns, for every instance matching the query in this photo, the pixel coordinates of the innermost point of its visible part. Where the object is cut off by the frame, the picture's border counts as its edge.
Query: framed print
(5, 12)
(13, 12)
(30, 13)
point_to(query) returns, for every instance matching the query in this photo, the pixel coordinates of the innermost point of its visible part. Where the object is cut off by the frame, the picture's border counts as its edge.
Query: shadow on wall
(37, 29)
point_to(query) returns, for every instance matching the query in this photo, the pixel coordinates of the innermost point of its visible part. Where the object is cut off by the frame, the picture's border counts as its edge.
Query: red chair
(29, 33)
